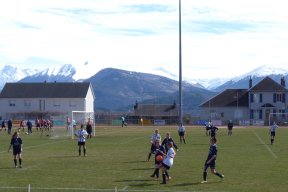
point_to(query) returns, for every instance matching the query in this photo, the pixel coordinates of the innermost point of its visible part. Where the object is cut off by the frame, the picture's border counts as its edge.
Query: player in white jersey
(272, 132)
(154, 137)
(181, 133)
(82, 134)
(168, 162)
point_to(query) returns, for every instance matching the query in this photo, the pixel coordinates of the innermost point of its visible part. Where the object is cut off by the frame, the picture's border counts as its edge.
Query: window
(279, 97)
(251, 97)
(11, 103)
(251, 114)
(261, 98)
(260, 114)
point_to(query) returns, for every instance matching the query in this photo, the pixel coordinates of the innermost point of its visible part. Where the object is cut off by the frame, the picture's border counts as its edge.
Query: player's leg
(15, 159)
(20, 159)
(217, 173)
(163, 175)
(79, 148)
(205, 173)
(84, 149)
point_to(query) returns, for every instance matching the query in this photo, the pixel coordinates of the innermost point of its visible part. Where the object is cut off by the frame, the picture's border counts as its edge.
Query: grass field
(116, 161)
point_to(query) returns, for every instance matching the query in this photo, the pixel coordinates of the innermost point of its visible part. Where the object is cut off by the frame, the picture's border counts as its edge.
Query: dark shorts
(181, 134)
(81, 143)
(272, 133)
(230, 128)
(166, 166)
(152, 148)
(16, 151)
(89, 131)
(212, 165)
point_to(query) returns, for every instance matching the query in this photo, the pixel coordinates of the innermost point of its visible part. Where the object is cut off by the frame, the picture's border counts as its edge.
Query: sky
(220, 38)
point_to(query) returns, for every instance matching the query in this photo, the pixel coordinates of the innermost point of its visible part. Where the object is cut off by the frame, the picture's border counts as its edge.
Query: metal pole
(180, 68)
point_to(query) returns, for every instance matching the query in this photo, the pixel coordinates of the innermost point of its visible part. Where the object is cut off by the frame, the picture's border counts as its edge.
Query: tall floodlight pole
(180, 68)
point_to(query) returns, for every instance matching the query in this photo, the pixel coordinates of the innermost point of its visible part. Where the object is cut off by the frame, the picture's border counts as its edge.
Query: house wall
(89, 100)
(225, 114)
(43, 105)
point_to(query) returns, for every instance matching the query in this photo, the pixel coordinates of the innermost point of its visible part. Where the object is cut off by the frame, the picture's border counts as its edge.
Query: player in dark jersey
(16, 142)
(230, 127)
(213, 130)
(167, 140)
(89, 129)
(211, 161)
(159, 150)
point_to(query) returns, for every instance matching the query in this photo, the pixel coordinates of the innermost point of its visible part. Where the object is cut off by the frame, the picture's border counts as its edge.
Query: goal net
(278, 118)
(79, 118)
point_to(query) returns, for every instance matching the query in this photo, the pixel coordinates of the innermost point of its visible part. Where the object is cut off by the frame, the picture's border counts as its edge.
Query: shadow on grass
(137, 182)
(133, 180)
(142, 169)
(195, 183)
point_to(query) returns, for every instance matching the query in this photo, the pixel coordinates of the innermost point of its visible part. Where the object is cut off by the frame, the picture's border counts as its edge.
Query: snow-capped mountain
(62, 73)
(256, 75)
(14, 74)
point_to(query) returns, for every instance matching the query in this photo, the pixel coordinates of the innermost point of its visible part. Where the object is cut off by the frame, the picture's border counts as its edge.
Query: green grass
(116, 162)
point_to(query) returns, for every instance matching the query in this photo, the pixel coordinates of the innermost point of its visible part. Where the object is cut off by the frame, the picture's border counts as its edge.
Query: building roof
(268, 85)
(45, 90)
(229, 98)
(155, 110)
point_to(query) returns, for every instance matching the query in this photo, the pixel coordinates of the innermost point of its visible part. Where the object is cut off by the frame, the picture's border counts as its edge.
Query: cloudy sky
(220, 38)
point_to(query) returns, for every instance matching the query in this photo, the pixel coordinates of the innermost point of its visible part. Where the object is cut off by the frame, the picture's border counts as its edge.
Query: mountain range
(119, 90)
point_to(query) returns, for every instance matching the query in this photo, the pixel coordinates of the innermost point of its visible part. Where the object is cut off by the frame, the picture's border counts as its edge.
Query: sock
(204, 176)
(157, 172)
(84, 151)
(218, 174)
(15, 162)
(164, 178)
(20, 162)
(272, 140)
(79, 152)
(184, 141)
(167, 174)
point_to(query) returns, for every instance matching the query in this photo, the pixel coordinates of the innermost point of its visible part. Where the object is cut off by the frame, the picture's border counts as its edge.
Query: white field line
(267, 147)
(87, 189)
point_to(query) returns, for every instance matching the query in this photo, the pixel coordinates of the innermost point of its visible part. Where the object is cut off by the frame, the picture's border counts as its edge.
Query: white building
(37, 100)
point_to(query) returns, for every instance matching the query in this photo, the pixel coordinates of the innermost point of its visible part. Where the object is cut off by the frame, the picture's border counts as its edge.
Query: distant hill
(118, 90)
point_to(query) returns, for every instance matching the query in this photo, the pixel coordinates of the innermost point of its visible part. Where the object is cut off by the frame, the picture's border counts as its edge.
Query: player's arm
(9, 147)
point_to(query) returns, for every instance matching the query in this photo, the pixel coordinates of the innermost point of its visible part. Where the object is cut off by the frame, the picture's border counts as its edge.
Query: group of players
(164, 152)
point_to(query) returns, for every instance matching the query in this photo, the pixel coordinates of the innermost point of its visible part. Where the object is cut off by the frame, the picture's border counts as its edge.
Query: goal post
(81, 117)
(278, 118)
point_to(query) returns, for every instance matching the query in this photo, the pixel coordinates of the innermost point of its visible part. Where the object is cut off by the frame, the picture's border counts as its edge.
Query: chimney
(283, 84)
(250, 83)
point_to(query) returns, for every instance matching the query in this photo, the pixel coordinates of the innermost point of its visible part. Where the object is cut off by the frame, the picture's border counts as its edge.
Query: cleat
(156, 179)
(20, 166)
(163, 183)
(152, 176)
(15, 166)
(169, 178)
(203, 181)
